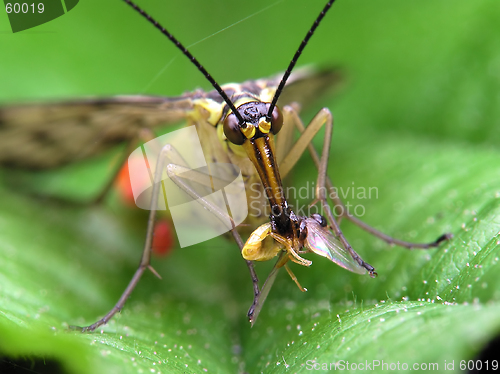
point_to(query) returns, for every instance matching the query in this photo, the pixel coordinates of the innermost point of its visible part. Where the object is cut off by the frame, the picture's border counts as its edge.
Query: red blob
(163, 239)
(123, 186)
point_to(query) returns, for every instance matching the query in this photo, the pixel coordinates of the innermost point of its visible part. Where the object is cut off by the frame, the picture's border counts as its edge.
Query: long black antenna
(191, 58)
(296, 57)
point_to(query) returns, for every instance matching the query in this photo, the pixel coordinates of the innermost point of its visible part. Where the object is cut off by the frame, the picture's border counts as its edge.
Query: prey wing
(322, 242)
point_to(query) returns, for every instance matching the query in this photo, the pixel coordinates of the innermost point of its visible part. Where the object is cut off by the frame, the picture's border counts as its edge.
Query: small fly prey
(236, 124)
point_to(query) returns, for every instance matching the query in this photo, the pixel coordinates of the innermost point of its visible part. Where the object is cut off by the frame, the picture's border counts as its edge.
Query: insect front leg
(167, 155)
(180, 176)
(263, 245)
(145, 262)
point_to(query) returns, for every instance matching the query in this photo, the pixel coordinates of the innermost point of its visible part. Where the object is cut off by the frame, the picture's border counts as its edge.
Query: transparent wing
(45, 135)
(321, 241)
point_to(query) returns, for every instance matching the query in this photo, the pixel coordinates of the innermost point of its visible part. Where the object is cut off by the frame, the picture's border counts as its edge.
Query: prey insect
(237, 124)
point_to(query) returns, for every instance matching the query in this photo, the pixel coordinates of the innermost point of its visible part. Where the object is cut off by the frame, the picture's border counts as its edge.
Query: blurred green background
(418, 117)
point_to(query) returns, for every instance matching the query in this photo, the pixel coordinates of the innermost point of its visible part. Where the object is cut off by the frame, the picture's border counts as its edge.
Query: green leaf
(416, 123)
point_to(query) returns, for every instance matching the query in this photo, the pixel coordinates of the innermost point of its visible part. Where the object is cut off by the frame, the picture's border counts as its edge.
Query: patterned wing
(304, 87)
(45, 135)
(308, 84)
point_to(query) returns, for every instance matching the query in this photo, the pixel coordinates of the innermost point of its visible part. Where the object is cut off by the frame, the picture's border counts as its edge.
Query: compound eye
(232, 130)
(276, 120)
(320, 219)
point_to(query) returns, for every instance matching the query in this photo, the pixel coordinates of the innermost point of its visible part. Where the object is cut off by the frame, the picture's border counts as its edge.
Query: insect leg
(146, 253)
(342, 211)
(167, 154)
(259, 300)
(293, 256)
(294, 278)
(323, 118)
(174, 171)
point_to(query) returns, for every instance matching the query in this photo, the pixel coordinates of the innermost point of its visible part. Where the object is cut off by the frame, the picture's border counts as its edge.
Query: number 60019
(24, 7)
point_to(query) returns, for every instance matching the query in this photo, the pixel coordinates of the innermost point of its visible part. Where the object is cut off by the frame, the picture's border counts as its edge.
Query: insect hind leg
(341, 209)
(322, 119)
